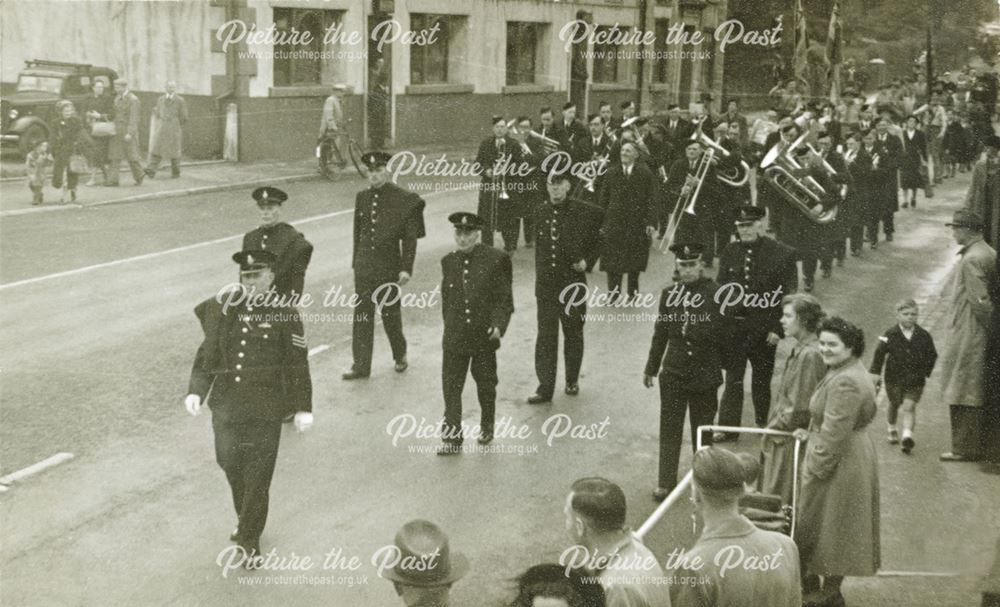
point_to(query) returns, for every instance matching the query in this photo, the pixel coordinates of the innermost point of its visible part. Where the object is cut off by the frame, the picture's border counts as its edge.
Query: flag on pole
(801, 57)
(833, 51)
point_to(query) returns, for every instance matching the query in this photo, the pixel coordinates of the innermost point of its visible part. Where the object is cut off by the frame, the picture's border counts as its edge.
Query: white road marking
(916, 574)
(35, 468)
(319, 349)
(197, 245)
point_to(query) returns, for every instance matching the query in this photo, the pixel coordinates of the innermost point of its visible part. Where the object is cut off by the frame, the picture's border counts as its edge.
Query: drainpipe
(640, 85)
(230, 118)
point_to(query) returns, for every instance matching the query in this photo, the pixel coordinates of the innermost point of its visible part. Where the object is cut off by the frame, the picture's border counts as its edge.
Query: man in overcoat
(124, 145)
(169, 117)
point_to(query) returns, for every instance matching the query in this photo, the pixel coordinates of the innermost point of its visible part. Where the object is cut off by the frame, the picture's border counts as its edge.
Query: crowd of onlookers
(97, 136)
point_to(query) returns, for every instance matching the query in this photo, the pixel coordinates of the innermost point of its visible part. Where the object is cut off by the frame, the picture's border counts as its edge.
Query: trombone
(686, 201)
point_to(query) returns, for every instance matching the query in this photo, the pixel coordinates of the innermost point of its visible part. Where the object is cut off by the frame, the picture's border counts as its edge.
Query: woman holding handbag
(99, 111)
(67, 134)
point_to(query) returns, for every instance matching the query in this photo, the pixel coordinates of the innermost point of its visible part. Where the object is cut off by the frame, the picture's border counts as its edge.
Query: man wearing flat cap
(730, 542)
(685, 354)
(425, 567)
(290, 247)
(984, 193)
(498, 158)
(968, 325)
(568, 131)
(476, 301)
(124, 144)
(253, 369)
(760, 265)
(388, 220)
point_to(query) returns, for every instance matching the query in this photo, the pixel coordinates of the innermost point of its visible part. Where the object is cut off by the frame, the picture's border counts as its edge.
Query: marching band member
(595, 152)
(569, 130)
(854, 207)
(532, 190)
(681, 183)
(497, 157)
(546, 123)
(828, 158)
(678, 131)
(607, 116)
(885, 177)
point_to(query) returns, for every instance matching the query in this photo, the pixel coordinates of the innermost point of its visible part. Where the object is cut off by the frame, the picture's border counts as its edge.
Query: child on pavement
(907, 353)
(35, 164)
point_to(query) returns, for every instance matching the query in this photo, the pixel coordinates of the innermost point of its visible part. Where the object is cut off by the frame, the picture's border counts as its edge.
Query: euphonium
(736, 176)
(805, 194)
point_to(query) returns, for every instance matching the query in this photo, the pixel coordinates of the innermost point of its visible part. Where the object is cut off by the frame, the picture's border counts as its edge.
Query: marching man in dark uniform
(476, 300)
(760, 265)
(498, 155)
(687, 330)
(291, 248)
(253, 367)
(388, 220)
(566, 243)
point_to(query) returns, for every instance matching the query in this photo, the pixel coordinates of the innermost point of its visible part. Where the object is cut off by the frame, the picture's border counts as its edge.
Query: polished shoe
(725, 437)
(572, 389)
(401, 365)
(352, 374)
(660, 494)
(954, 457)
(893, 438)
(485, 438)
(252, 550)
(538, 399)
(908, 444)
(888, 237)
(827, 272)
(449, 449)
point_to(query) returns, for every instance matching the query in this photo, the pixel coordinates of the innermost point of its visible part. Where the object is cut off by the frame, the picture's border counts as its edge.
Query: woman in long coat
(67, 139)
(793, 384)
(628, 199)
(837, 531)
(913, 157)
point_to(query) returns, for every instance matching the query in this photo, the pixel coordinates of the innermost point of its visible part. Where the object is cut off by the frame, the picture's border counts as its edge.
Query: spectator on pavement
(169, 118)
(550, 585)
(35, 164)
(984, 193)
(837, 529)
(426, 567)
(730, 541)
(124, 145)
(333, 112)
(991, 378)
(67, 140)
(963, 356)
(99, 107)
(595, 522)
(911, 356)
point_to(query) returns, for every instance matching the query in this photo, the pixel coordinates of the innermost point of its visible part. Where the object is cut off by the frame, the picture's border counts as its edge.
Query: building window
(429, 64)
(660, 63)
(605, 59)
(302, 64)
(522, 48)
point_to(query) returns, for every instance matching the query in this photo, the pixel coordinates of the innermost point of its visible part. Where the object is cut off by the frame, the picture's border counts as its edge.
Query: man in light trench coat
(169, 117)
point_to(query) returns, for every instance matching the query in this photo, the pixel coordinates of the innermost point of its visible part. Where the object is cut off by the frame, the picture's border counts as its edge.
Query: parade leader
(477, 301)
(252, 368)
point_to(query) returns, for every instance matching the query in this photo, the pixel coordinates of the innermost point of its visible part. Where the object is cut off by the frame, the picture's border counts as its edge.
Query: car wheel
(31, 137)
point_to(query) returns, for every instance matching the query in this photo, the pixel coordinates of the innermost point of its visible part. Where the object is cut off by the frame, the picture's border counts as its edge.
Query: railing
(686, 482)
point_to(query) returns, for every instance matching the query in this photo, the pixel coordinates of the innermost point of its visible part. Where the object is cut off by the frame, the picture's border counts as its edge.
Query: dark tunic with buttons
(686, 338)
(564, 234)
(293, 250)
(476, 296)
(387, 223)
(759, 267)
(252, 364)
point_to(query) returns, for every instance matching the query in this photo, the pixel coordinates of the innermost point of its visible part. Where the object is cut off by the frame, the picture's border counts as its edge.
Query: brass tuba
(804, 193)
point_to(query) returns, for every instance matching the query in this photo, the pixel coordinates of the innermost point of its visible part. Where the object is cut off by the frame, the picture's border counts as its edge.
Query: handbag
(102, 128)
(78, 164)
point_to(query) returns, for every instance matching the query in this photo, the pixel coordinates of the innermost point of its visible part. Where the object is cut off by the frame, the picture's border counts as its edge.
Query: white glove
(303, 421)
(193, 404)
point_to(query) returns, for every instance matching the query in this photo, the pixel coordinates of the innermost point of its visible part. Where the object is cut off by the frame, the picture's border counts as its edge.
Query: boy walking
(911, 356)
(35, 164)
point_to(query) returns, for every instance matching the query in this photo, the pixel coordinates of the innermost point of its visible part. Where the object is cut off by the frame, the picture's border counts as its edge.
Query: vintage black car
(28, 112)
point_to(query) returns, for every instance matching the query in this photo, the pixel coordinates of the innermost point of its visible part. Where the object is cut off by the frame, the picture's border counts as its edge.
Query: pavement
(98, 303)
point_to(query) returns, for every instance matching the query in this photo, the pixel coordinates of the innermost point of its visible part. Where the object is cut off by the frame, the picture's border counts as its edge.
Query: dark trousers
(60, 167)
(246, 452)
(454, 369)
(154, 164)
(675, 400)
(552, 314)
(363, 330)
(966, 435)
(36, 194)
(615, 283)
(744, 345)
(889, 223)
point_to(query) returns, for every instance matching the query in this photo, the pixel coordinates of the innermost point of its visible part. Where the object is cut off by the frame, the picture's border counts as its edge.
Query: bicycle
(330, 153)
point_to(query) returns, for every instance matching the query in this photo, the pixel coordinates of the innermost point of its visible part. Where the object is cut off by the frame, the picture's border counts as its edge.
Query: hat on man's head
(253, 260)
(673, 106)
(717, 469)
(466, 221)
(748, 213)
(686, 251)
(266, 195)
(495, 119)
(425, 559)
(992, 141)
(374, 160)
(965, 218)
(568, 105)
